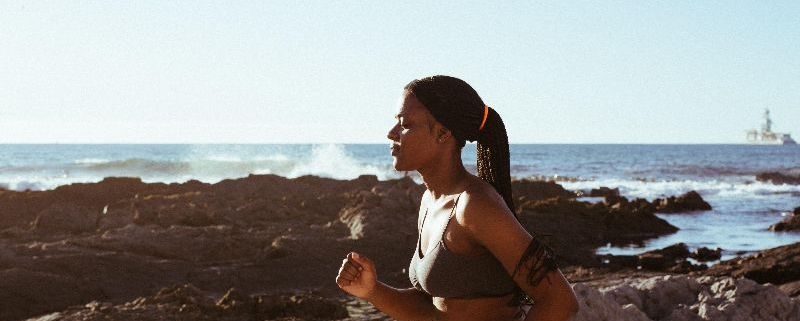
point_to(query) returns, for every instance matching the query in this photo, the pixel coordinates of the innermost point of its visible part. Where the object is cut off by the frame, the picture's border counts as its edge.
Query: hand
(357, 276)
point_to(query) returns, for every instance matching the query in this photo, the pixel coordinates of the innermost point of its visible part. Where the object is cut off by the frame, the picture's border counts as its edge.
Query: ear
(443, 134)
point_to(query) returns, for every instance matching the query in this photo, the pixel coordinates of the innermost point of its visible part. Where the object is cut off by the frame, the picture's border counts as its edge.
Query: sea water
(724, 175)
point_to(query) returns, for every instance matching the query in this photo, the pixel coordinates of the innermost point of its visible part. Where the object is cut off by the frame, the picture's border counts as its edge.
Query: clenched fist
(357, 275)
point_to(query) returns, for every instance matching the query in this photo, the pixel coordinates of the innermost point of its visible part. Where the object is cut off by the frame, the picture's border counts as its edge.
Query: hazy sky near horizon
(333, 71)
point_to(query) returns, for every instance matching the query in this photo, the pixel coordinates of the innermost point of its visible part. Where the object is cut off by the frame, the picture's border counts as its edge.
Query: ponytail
(493, 156)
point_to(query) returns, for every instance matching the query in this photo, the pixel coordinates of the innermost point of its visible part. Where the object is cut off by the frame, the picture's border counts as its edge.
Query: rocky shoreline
(266, 247)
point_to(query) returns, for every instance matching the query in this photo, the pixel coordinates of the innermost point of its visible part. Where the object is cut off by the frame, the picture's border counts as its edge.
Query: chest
(441, 228)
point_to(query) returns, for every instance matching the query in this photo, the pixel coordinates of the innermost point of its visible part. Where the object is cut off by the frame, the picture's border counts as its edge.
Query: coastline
(121, 247)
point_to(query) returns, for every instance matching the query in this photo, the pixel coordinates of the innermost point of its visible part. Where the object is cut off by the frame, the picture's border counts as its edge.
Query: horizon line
(365, 143)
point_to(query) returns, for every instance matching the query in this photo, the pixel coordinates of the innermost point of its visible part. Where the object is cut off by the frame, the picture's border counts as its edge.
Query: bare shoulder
(481, 204)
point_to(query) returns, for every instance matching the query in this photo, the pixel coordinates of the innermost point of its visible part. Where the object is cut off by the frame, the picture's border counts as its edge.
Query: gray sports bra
(442, 273)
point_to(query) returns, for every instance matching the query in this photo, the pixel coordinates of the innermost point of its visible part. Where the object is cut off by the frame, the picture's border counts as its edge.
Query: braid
(494, 164)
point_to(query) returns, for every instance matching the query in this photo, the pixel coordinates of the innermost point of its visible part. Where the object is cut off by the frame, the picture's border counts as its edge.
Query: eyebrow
(400, 115)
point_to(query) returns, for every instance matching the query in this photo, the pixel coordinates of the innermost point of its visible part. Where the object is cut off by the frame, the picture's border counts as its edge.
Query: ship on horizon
(767, 136)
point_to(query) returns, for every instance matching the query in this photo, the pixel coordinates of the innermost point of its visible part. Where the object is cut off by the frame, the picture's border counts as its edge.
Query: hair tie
(485, 113)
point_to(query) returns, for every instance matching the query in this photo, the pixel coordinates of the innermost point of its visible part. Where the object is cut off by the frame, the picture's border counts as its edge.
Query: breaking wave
(739, 187)
(328, 160)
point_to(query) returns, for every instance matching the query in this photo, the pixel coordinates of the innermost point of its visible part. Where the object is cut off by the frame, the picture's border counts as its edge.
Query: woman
(473, 261)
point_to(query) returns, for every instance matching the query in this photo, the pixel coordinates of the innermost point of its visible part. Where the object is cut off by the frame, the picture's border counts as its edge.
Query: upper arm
(529, 262)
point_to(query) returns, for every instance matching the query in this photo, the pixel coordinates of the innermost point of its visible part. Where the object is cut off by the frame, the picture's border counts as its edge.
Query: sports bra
(442, 273)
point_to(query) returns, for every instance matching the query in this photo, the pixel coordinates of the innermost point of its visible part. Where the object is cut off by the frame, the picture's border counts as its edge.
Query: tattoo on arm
(538, 258)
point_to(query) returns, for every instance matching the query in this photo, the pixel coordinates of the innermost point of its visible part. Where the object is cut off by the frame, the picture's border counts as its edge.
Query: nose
(393, 133)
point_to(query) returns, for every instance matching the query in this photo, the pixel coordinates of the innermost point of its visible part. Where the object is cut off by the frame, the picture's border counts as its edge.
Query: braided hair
(457, 106)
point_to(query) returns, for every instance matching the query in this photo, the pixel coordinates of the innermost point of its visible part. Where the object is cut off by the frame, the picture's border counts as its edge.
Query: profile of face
(414, 135)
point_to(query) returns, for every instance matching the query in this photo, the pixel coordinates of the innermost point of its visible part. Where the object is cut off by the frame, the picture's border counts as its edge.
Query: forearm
(402, 304)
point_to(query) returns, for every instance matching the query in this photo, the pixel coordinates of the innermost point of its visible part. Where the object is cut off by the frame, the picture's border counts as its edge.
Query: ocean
(724, 175)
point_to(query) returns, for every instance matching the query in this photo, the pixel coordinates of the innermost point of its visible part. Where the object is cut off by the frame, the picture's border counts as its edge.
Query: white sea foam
(328, 160)
(331, 160)
(655, 189)
(224, 158)
(89, 161)
(275, 157)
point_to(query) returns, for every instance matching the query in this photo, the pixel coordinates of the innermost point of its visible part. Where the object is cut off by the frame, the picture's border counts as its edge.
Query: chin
(400, 167)
(397, 167)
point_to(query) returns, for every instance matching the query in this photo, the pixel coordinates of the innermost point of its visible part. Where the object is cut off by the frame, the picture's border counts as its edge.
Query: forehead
(411, 108)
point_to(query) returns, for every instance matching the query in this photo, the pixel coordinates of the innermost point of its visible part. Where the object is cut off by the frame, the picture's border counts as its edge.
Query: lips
(394, 149)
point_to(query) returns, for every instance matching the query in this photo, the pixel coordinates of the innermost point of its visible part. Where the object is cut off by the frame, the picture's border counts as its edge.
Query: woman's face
(413, 139)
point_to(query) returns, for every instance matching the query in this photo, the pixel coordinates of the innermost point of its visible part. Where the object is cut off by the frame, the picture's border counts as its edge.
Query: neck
(445, 177)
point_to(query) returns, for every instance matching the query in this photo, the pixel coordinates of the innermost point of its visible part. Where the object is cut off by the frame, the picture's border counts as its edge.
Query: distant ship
(767, 136)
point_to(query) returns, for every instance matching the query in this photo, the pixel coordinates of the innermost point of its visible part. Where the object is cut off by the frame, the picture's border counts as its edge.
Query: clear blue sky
(333, 71)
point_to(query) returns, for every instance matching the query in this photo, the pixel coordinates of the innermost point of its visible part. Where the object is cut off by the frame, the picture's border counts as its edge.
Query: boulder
(690, 201)
(594, 305)
(385, 214)
(665, 258)
(790, 223)
(672, 258)
(705, 254)
(680, 298)
(777, 266)
(669, 259)
(603, 192)
(655, 261)
(532, 190)
(791, 289)
(792, 177)
(575, 229)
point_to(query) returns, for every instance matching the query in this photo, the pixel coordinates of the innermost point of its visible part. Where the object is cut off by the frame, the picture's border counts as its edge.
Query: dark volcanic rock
(532, 190)
(385, 213)
(603, 192)
(777, 266)
(791, 288)
(705, 254)
(25, 292)
(110, 242)
(19, 209)
(121, 238)
(616, 262)
(674, 252)
(671, 258)
(655, 261)
(68, 218)
(187, 302)
(691, 201)
(575, 229)
(790, 223)
(793, 177)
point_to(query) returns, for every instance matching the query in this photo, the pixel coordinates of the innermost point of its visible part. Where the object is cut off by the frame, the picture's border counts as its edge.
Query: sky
(333, 71)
